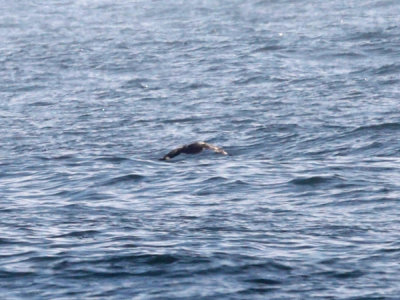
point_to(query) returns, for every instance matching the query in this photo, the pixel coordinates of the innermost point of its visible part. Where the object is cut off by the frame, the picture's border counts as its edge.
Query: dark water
(304, 95)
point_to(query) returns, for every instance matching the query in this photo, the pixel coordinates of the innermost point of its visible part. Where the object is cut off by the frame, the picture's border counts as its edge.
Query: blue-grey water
(304, 95)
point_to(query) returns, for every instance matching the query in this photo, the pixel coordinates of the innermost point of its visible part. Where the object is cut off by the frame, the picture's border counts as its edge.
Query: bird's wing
(215, 148)
(173, 153)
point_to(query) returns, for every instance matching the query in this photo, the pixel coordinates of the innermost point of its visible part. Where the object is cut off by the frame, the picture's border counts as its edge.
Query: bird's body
(193, 148)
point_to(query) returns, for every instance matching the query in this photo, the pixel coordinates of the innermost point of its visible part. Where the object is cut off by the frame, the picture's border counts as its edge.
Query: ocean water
(304, 95)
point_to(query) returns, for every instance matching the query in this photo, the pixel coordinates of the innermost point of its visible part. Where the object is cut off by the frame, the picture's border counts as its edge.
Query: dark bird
(193, 148)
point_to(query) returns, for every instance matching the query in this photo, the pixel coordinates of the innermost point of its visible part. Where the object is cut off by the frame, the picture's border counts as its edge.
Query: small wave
(349, 54)
(149, 259)
(280, 128)
(347, 274)
(30, 88)
(388, 69)
(74, 132)
(113, 159)
(371, 146)
(62, 157)
(390, 81)
(185, 120)
(392, 248)
(78, 234)
(265, 281)
(313, 180)
(182, 120)
(378, 127)
(368, 36)
(252, 80)
(135, 83)
(258, 290)
(41, 103)
(41, 259)
(214, 179)
(268, 48)
(222, 187)
(196, 86)
(269, 265)
(124, 178)
(4, 241)
(344, 55)
(15, 274)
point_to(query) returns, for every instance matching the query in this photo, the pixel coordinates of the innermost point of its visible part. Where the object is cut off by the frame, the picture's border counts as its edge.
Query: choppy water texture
(304, 95)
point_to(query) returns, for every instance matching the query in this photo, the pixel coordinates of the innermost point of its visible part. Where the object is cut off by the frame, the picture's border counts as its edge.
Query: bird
(193, 148)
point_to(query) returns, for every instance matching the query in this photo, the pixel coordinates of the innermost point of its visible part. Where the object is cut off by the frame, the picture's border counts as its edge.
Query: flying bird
(193, 148)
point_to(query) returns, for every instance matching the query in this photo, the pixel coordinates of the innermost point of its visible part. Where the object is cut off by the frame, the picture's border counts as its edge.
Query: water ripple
(95, 92)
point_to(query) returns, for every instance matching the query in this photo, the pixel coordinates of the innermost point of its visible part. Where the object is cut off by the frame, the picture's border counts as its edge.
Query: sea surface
(303, 95)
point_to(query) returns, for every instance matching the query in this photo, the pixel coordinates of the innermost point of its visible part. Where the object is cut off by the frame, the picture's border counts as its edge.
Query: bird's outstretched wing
(172, 153)
(214, 148)
(193, 148)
